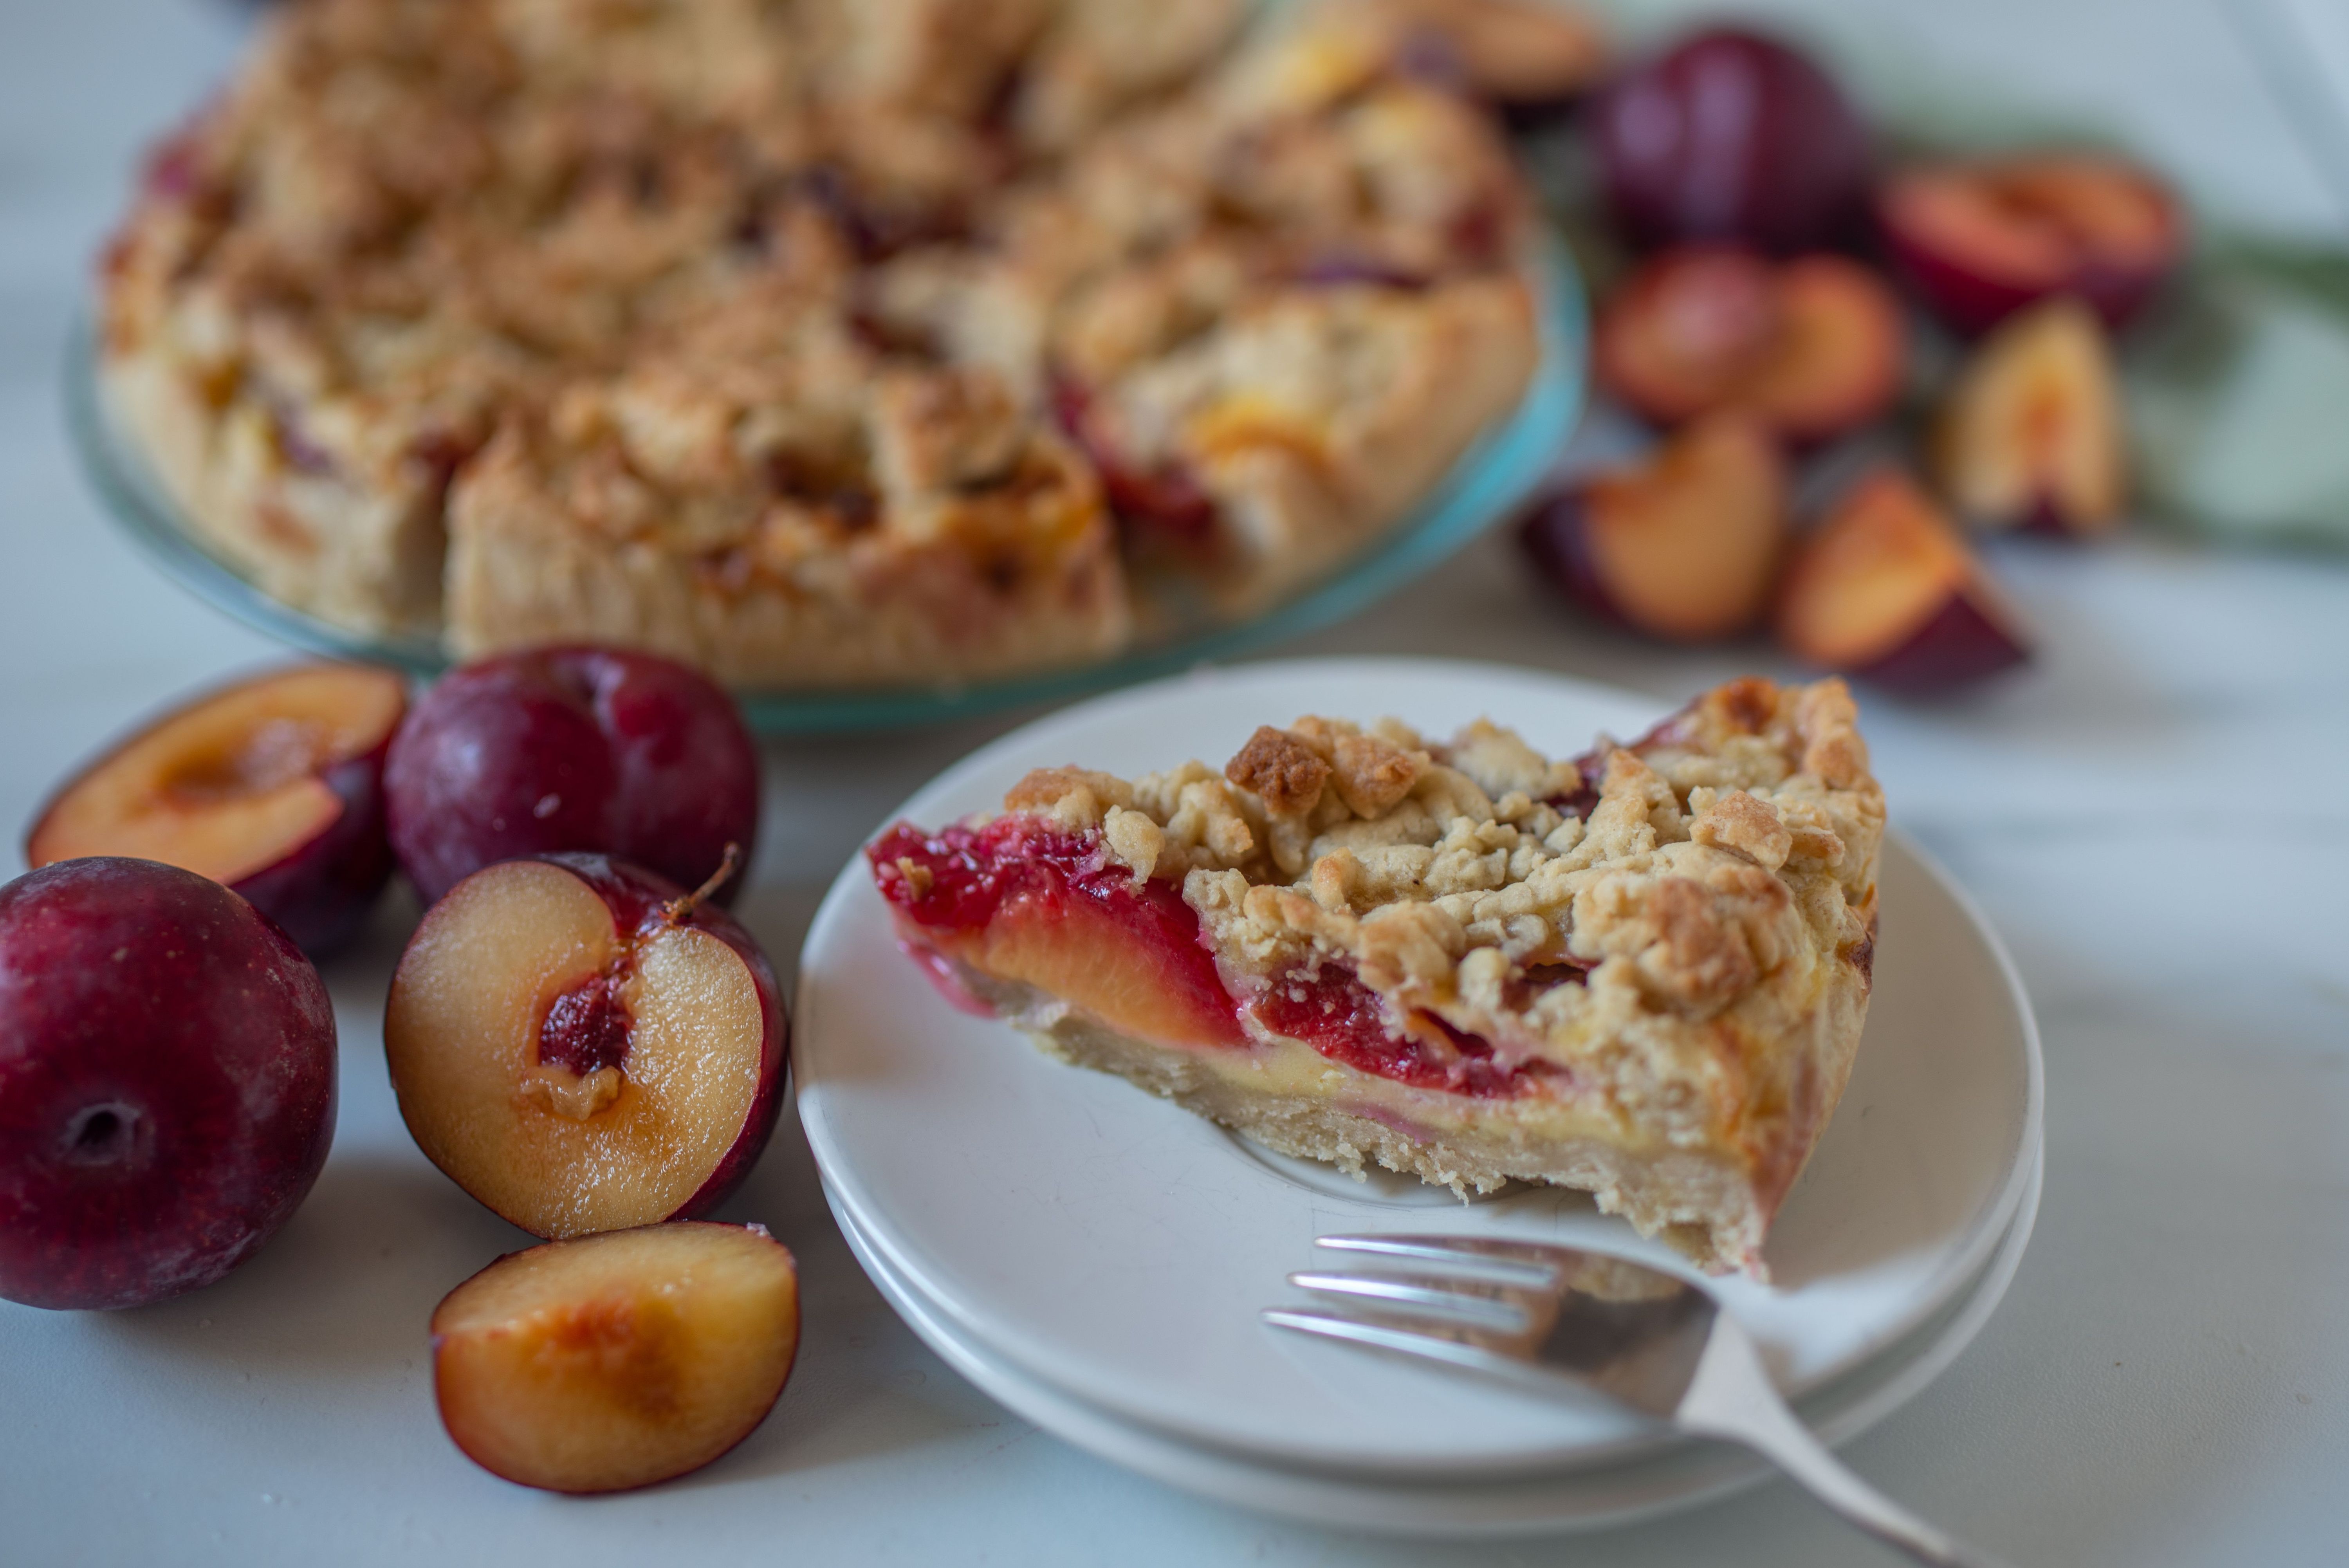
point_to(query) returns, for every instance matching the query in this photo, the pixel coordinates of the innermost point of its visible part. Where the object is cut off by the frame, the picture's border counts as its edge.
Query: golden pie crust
(824, 342)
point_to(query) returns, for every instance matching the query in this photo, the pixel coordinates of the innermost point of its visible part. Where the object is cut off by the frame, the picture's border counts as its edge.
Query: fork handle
(1732, 1396)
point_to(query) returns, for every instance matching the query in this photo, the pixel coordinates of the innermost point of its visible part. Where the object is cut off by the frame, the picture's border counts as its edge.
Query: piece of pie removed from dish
(1640, 972)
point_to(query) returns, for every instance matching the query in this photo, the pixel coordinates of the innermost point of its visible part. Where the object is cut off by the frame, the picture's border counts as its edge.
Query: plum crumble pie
(1641, 972)
(827, 342)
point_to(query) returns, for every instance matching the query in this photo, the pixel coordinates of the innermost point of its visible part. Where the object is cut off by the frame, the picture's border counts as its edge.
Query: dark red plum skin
(1960, 646)
(638, 899)
(1732, 135)
(167, 1082)
(1555, 535)
(592, 748)
(1971, 303)
(1532, 116)
(323, 892)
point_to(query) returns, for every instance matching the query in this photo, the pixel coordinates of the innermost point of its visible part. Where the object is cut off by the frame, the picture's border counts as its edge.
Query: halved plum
(1886, 588)
(584, 1046)
(618, 1360)
(1684, 547)
(272, 786)
(1813, 348)
(1981, 240)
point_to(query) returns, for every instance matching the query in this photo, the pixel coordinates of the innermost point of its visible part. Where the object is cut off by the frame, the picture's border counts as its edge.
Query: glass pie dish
(1489, 481)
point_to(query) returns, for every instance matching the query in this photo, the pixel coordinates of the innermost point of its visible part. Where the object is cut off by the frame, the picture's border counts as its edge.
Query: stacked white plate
(1095, 1257)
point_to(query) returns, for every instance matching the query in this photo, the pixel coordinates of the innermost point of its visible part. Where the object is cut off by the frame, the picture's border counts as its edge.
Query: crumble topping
(1280, 770)
(740, 283)
(1102, 56)
(1642, 971)
(1643, 926)
(1517, 51)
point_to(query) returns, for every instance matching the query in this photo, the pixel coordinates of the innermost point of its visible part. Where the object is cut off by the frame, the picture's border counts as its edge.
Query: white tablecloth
(2157, 819)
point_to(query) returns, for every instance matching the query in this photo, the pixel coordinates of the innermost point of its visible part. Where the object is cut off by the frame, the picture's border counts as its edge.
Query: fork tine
(1381, 1337)
(1514, 1263)
(1385, 1291)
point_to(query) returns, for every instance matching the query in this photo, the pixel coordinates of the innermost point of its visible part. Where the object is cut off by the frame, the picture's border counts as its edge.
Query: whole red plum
(167, 1082)
(1732, 135)
(596, 749)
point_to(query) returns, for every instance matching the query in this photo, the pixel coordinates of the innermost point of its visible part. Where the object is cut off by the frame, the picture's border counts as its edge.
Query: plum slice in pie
(1641, 972)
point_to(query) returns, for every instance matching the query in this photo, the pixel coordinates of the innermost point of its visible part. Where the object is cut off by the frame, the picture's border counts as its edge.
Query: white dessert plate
(1584, 1497)
(1117, 1248)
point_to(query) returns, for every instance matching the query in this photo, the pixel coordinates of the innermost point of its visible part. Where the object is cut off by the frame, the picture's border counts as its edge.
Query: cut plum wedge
(618, 1360)
(1813, 348)
(1684, 547)
(272, 786)
(1840, 353)
(1886, 588)
(2031, 436)
(1979, 241)
(582, 1046)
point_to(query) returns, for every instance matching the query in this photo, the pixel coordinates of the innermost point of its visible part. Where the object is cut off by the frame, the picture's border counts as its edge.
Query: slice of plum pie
(1640, 972)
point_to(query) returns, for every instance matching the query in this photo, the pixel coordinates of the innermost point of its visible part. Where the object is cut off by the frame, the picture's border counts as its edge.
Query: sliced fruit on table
(1813, 348)
(2031, 435)
(1684, 547)
(582, 1045)
(167, 1082)
(1888, 589)
(599, 749)
(272, 786)
(1981, 240)
(1732, 135)
(618, 1360)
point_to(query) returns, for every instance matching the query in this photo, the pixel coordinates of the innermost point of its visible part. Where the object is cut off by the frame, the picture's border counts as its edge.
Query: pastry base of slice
(1707, 1203)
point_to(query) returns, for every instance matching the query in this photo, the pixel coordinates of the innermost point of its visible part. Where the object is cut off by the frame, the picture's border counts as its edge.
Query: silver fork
(1543, 1316)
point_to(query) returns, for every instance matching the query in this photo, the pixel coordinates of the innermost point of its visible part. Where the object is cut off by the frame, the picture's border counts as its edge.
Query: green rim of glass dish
(1490, 482)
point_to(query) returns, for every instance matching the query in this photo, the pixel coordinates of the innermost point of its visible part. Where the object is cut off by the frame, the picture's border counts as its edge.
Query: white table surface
(2158, 820)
